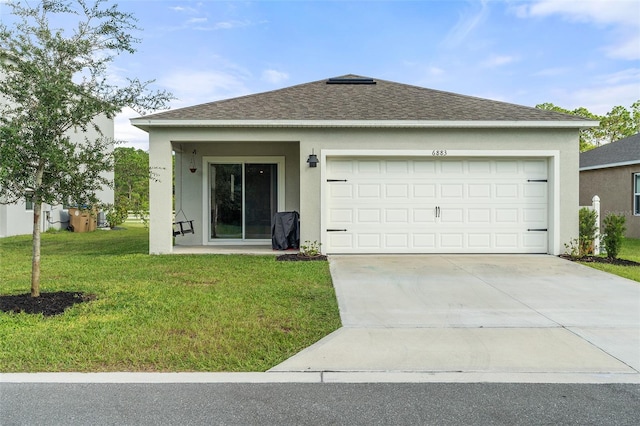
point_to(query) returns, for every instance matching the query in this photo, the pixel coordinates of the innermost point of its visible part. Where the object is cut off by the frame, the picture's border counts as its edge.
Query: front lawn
(160, 313)
(631, 251)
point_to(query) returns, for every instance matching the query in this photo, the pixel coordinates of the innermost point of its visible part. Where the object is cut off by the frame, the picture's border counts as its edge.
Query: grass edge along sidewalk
(160, 313)
(630, 250)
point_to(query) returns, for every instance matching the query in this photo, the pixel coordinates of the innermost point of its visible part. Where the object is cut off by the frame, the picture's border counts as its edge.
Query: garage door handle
(537, 180)
(538, 230)
(336, 230)
(336, 180)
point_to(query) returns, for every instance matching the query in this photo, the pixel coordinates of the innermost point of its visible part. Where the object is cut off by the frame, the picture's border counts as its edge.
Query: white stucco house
(401, 169)
(17, 218)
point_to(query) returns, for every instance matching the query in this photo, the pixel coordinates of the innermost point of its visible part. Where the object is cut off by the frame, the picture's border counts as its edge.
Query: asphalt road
(318, 404)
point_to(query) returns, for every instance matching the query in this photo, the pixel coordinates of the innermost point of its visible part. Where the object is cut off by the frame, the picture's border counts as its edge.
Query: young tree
(131, 178)
(588, 137)
(54, 81)
(616, 124)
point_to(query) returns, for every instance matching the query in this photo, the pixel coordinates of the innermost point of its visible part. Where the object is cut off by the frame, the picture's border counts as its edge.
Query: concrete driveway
(499, 314)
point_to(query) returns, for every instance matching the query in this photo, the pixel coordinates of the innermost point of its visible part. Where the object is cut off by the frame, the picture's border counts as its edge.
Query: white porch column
(160, 195)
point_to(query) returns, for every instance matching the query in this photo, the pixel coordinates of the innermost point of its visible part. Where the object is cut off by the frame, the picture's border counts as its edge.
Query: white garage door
(427, 205)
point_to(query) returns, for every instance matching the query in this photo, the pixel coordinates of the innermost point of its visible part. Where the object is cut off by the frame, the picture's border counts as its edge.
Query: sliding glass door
(243, 199)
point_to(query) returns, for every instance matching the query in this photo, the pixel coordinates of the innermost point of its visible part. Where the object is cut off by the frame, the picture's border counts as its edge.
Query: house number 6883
(439, 153)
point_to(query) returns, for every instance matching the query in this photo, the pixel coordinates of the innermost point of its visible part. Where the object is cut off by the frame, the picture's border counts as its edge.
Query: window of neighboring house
(636, 194)
(28, 201)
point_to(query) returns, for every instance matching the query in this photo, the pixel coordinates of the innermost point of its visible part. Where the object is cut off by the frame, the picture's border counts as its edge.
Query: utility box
(82, 220)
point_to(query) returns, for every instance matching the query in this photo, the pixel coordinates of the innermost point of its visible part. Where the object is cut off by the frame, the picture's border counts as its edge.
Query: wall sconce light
(192, 163)
(313, 159)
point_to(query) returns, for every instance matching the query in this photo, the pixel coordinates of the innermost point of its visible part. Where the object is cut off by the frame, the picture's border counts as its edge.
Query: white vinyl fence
(595, 205)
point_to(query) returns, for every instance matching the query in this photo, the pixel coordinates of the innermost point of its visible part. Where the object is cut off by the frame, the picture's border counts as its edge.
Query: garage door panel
(452, 167)
(341, 216)
(341, 191)
(369, 166)
(426, 215)
(479, 240)
(479, 191)
(452, 190)
(365, 240)
(369, 190)
(424, 167)
(424, 241)
(479, 167)
(396, 190)
(423, 205)
(369, 216)
(397, 166)
(396, 241)
(479, 215)
(424, 191)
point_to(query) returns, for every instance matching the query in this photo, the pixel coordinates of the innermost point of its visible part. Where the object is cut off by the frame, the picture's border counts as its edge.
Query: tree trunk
(37, 212)
(35, 259)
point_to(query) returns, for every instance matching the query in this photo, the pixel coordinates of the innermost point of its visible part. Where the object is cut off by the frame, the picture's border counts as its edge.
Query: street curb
(322, 377)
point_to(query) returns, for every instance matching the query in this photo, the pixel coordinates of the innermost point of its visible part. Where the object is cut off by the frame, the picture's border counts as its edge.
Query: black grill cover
(285, 232)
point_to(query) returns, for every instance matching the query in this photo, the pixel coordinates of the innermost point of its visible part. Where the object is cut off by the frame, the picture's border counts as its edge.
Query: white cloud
(607, 91)
(468, 20)
(601, 100)
(274, 77)
(183, 9)
(228, 25)
(192, 87)
(598, 11)
(628, 48)
(196, 20)
(498, 61)
(631, 75)
(551, 72)
(622, 16)
(126, 133)
(435, 71)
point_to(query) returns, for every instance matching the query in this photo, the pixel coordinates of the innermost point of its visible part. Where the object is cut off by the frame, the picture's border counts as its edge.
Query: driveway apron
(477, 313)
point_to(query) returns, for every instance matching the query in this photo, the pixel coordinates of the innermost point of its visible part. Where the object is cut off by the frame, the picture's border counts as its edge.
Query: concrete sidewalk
(495, 315)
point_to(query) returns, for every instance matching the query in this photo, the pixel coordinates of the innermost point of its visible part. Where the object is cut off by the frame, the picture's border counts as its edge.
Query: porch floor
(264, 250)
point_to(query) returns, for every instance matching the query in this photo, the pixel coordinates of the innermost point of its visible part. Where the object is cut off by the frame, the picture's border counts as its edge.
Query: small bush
(116, 214)
(587, 230)
(572, 249)
(310, 248)
(614, 228)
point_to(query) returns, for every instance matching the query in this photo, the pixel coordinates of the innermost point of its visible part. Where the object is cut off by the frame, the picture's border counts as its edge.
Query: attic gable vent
(344, 80)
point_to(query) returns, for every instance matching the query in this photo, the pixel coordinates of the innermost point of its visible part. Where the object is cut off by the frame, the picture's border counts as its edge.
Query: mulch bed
(295, 257)
(598, 259)
(47, 304)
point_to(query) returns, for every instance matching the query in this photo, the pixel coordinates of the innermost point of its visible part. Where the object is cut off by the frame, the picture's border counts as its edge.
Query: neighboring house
(17, 219)
(612, 172)
(402, 169)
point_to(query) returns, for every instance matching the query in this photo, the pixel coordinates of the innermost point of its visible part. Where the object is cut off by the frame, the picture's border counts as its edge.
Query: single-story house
(17, 218)
(612, 172)
(372, 166)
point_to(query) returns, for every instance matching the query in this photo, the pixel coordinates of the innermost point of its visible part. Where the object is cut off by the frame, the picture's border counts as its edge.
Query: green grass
(160, 313)
(631, 251)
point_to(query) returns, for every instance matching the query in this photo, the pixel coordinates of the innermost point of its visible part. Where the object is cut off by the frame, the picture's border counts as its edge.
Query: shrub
(614, 228)
(587, 230)
(116, 214)
(310, 248)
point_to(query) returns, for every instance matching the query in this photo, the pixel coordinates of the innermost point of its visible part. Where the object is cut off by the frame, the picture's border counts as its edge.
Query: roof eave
(146, 124)
(609, 165)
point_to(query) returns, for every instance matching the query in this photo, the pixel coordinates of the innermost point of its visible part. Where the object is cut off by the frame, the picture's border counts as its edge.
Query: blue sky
(571, 53)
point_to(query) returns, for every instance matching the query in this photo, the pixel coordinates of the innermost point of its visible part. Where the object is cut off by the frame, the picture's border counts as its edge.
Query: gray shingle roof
(382, 101)
(625, 151)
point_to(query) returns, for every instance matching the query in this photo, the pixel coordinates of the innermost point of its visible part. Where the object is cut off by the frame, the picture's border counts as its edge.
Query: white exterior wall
(244, 141)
